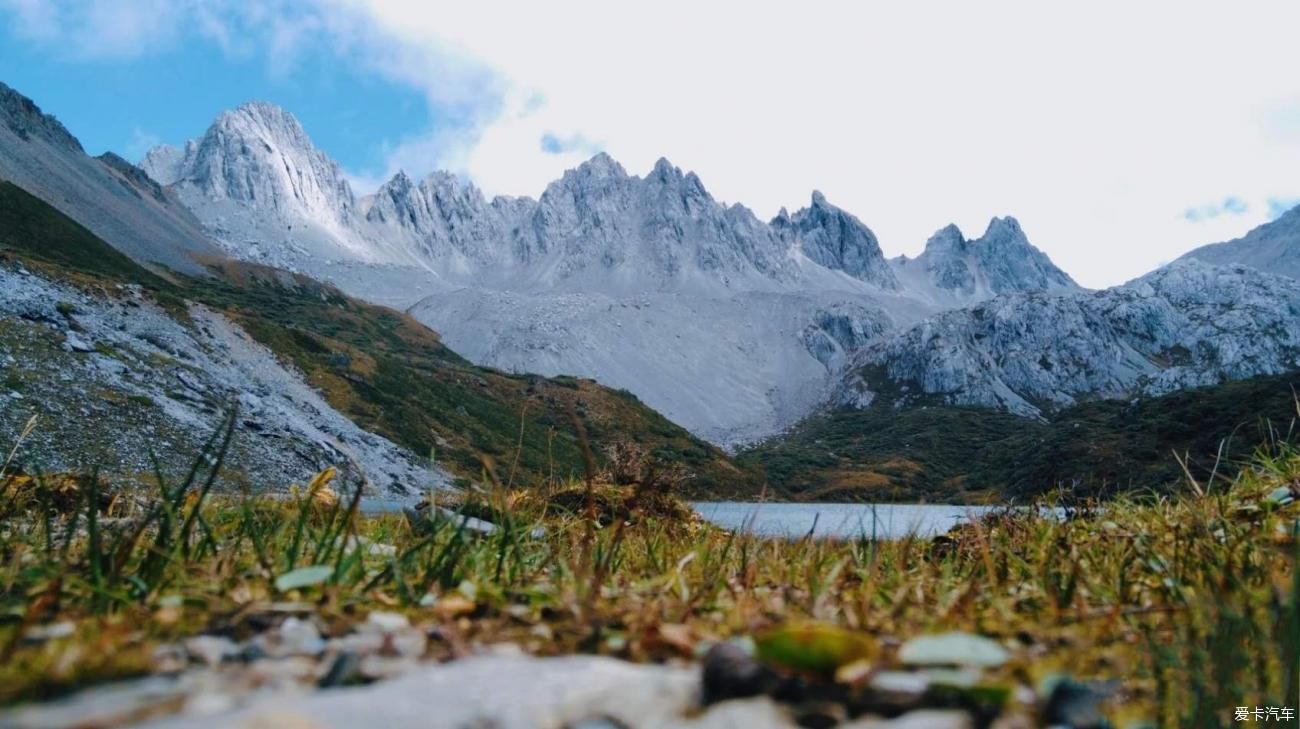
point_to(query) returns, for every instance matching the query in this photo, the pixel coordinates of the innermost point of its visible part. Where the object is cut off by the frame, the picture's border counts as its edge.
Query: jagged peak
(399, 183)
(600, 165)
(949, 237)
(665, 169)
(262, 111)
(819, 200)
(24, 117)
(262, 118)
(1002, 228)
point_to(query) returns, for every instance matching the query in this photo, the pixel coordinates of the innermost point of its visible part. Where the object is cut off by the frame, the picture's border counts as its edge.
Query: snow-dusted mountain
(1273, 247)
(1185, 325)
(260, 185)
(105, 194)
(731, 326)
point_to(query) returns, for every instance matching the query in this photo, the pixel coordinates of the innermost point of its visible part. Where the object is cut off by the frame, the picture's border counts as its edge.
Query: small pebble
(53, 631)
(730, 672)
(211, 650)
(345, 669)
(387, 622)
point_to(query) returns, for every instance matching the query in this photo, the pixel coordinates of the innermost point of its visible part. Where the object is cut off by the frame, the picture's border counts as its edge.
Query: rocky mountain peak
(599, 166)
(947, 238)
(266, 121)
(165, 163)
(1005, 233)
(22, 116)
(837, 240)
(399, 183)
(666, 170)
(258, 154)
(1001, 261)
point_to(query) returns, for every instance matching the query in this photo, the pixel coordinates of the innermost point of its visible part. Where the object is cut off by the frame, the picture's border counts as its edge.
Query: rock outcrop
(1185, 325)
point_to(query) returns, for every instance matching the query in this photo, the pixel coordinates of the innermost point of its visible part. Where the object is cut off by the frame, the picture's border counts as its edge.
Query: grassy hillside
(969, 454)
(386, 371)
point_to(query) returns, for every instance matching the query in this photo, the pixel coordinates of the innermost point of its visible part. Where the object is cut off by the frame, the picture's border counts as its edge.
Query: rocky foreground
(291, 676)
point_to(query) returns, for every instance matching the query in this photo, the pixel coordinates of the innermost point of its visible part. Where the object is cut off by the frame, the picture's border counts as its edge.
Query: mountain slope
(1186, 325)
(379, 375)
(117, 377)
(106, 195)
(1273, 247)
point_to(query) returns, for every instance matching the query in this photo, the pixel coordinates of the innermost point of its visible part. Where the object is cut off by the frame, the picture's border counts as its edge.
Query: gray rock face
(1273, 247)
(149, 382)
(1185, 325)
(26, 121)
(598, 216)
(647, 283)
(256, 176)
(835, 239)
(444, 220)
(112, 199)
(166, 164)
(1002, 261)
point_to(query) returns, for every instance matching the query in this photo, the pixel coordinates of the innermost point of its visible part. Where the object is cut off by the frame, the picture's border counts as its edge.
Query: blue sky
(1183, 130)
(126, 104)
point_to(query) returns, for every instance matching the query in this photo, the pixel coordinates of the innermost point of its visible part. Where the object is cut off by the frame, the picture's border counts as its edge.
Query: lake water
(844, 521)
(786, 520)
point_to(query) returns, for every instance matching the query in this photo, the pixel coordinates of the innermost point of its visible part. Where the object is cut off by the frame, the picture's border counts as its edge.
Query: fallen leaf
(813, 649)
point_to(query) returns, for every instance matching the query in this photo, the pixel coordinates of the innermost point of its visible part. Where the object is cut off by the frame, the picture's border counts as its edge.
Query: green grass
(37, 230)
(1192, 602)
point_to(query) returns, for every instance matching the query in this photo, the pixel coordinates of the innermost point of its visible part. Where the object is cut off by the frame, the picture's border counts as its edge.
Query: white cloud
(1097, 125)
(92, 29)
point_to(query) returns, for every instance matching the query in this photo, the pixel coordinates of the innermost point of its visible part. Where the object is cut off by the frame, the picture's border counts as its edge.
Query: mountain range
(733, 327)
(729, 325)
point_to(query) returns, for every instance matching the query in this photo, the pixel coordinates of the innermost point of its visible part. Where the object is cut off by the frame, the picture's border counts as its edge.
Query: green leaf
(303, 577)
(813, 649)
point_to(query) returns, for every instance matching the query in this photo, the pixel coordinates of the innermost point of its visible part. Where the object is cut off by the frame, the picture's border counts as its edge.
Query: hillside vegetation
(384, 370)
(940, 453)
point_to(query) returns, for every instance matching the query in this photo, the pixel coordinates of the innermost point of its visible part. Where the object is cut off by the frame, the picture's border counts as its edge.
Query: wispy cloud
(140, 143)
(98, 29)
(1231, 205)
(554, 144)
(1279, 206)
